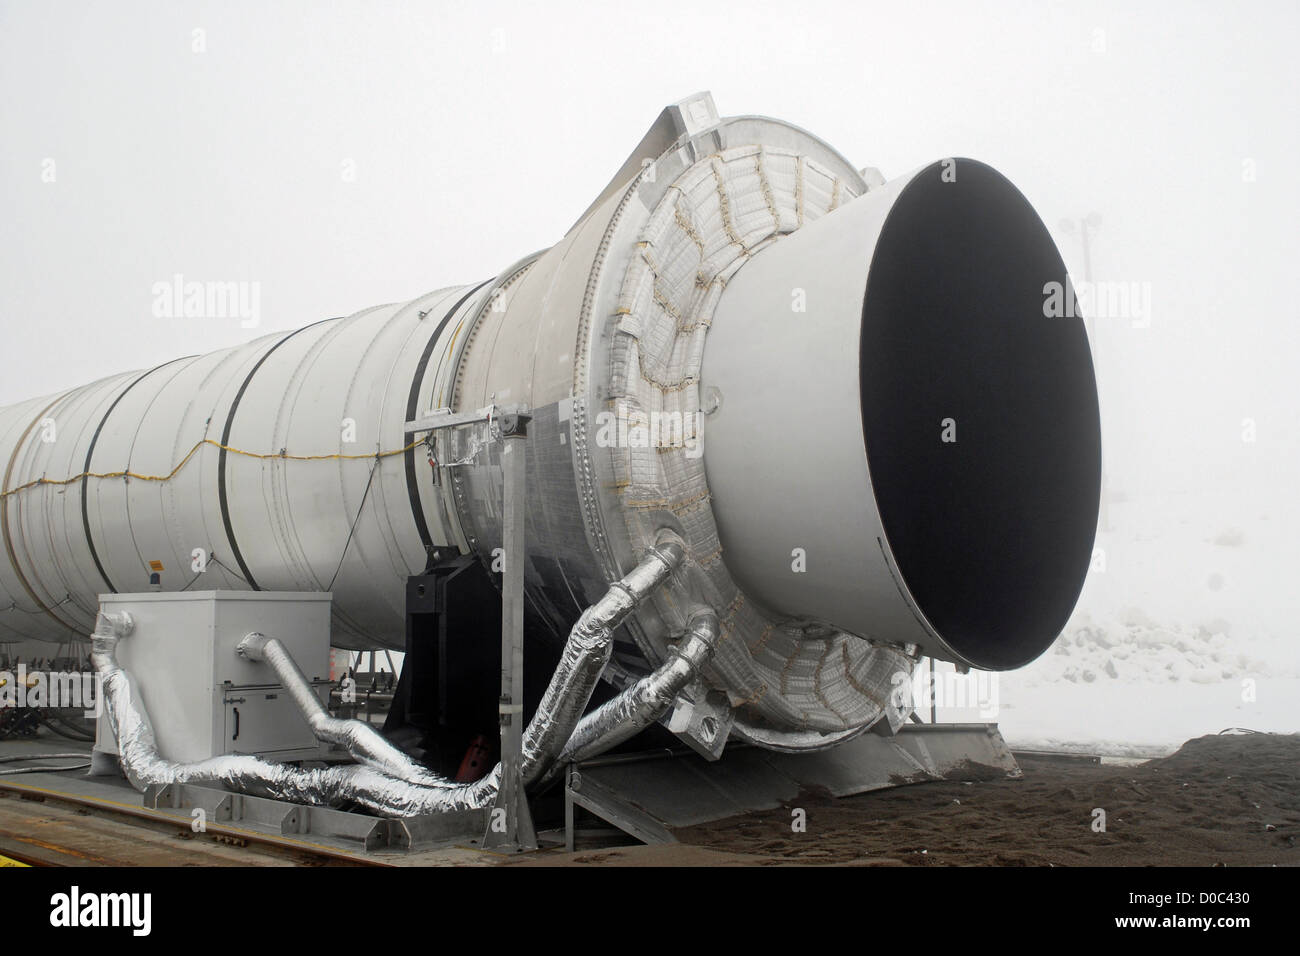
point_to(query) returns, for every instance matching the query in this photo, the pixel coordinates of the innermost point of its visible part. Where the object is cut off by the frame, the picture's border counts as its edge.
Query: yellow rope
(215, 444)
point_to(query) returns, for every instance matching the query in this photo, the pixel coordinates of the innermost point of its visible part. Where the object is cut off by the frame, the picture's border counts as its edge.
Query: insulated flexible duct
(357, 737)
(389, 783)
(622, 718)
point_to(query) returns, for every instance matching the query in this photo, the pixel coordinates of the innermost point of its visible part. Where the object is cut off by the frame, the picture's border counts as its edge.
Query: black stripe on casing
(222, 493)
(85, 480)
(412, 484)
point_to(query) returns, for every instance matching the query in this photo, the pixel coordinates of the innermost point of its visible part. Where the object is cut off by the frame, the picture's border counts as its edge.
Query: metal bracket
(695, 114)
(441, 418)
(702, 720)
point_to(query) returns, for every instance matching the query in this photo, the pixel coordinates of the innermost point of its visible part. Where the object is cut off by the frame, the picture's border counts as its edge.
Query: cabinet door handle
(235, 736)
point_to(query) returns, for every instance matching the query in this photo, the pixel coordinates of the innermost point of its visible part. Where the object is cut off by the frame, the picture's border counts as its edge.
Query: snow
(1185, 627)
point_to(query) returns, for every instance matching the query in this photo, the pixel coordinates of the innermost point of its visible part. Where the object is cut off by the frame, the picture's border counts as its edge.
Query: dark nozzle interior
(979, 415)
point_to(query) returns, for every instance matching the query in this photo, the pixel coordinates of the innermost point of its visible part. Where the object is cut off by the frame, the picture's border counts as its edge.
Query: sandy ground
(1222, 800)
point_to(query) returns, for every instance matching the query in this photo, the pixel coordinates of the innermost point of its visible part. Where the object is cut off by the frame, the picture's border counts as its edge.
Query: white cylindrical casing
(338, 387)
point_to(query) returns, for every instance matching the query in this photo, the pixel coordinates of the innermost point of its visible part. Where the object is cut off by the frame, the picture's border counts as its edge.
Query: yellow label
(5, 861)
(155, 566)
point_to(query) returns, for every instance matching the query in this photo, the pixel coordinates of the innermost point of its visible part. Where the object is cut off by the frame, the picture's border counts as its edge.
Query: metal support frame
(440, 418)
(447, 693)
(510, 824)
(608, 805)
(648, 795)
(515, 833)
(323, 824)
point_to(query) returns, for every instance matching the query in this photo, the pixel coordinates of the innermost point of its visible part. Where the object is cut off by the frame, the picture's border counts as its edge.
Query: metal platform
(647, 796)
(276, 817)
(49, 807)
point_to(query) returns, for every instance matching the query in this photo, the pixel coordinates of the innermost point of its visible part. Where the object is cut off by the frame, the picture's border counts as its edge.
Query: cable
(360, 508)
(282, 454)
(44, 768)
(65, 728)
(219, 563)
(195, 580)
(13, 606)
(15, 757)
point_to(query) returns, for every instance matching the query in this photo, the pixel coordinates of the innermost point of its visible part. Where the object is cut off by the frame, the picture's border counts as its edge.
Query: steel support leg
(510, 825)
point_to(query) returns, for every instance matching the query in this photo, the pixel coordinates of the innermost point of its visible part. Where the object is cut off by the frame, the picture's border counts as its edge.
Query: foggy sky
(478, 132)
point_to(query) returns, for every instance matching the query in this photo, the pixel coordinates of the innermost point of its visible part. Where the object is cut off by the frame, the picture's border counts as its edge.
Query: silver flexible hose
(357, 737)
(640, 705)
(585, 655)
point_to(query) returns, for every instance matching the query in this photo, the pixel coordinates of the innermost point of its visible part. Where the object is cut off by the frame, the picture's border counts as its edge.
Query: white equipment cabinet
(203, 697)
